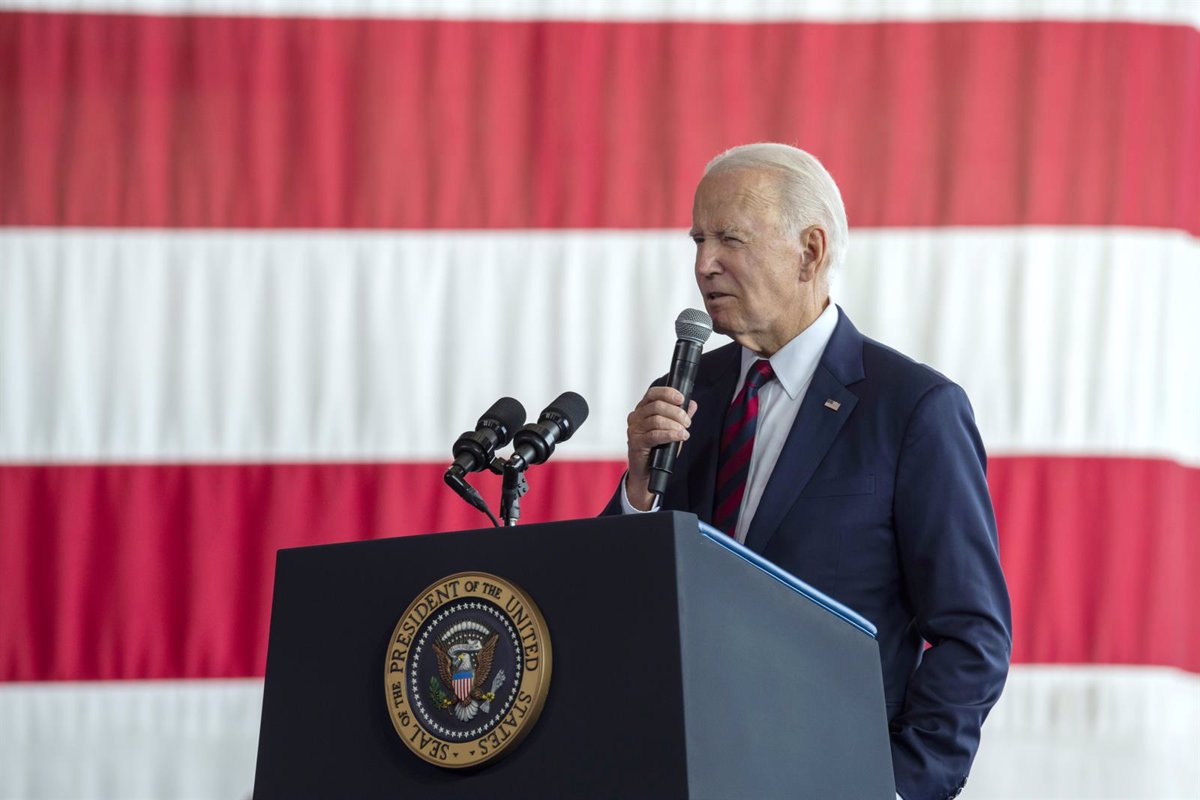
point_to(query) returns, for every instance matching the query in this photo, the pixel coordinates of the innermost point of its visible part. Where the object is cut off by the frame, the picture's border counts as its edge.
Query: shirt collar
(796, 362)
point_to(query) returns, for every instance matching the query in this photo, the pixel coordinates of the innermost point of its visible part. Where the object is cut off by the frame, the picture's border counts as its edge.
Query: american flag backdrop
(261, 261)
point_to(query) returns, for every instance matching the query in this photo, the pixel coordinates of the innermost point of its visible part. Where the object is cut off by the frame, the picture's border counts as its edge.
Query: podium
(684, 666)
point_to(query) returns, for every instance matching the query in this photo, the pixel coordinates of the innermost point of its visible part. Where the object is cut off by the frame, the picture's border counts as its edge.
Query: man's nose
(708, 261)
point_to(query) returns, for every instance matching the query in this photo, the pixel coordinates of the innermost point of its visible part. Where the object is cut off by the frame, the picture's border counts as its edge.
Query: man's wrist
(628, 507)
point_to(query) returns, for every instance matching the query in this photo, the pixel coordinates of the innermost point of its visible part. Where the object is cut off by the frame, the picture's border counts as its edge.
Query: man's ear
(813, 252)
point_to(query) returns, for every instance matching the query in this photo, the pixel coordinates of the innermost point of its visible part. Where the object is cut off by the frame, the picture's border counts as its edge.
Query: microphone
(534, 442)
(475, 450)
(692, 329)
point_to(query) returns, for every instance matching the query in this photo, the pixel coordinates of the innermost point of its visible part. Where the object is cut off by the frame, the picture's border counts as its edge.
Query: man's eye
(698, 239)
(733, 239)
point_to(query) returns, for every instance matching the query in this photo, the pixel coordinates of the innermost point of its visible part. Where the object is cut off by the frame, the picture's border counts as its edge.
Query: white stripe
(1058, 732)
(1068, 341)
(201, 346)
(133, 740)
(1180, 12)
(1071, 732)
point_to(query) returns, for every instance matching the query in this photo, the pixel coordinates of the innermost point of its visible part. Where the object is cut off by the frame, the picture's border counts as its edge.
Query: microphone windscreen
(505, 416)
(693, 325)
(571, 407)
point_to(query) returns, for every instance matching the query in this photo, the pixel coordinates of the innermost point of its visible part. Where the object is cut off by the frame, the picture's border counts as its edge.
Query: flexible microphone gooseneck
(692, 329)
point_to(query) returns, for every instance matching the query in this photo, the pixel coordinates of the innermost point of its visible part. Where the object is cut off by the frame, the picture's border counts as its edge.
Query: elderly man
(841, 460)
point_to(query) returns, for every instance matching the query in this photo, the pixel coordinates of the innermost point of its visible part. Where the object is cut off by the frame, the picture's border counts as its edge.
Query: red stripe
(1101, 557)
(165, 571)
(196, 121)
(734, 427)
(724, 515)
(748, 410)
(735, 461)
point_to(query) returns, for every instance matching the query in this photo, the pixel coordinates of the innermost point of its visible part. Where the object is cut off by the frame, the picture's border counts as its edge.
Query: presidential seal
(467, 670)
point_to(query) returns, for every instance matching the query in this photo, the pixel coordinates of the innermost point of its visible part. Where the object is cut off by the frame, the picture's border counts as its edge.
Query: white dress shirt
(778, 404)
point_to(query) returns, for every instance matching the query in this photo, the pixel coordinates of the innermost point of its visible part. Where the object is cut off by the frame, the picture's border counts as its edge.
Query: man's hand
(657, 419)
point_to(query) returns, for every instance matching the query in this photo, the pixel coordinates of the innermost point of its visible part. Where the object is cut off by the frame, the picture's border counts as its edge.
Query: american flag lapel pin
(832, 405)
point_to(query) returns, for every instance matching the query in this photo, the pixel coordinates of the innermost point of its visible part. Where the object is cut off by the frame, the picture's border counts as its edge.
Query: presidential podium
(683, 666)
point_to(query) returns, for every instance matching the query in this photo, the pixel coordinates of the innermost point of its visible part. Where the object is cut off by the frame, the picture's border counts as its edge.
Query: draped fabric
(261, 262)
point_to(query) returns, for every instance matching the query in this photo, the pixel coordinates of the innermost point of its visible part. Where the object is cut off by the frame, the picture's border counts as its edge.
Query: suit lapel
(811, 436)
(813, 432)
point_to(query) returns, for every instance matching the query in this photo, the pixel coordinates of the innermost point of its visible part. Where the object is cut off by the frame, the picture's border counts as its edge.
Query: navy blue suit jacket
(883, 504)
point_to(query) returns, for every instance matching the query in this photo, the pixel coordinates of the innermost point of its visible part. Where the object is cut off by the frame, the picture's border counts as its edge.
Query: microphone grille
(572, 406)
(571, 410)
(694, 325)
(505, 416)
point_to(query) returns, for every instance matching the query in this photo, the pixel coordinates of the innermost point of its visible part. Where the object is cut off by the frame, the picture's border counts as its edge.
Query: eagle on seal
(464, 669)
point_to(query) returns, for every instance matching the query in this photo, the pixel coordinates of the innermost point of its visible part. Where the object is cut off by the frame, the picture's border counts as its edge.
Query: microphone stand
(513, 487)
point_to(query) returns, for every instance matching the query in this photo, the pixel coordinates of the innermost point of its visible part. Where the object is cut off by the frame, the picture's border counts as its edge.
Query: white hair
(809, 193)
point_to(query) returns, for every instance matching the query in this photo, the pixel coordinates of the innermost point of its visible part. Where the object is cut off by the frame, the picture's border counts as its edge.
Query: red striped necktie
(737, 444)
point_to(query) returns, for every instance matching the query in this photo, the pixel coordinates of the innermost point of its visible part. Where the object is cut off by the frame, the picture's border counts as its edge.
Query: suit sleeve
(949, 554)
(613, 507)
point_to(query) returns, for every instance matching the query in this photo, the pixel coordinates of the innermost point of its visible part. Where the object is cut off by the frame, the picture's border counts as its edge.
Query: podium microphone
(692, 329)
(475, 450)
(534, 443)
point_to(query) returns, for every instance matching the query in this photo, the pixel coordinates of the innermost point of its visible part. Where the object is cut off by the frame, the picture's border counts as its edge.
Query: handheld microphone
(534, 443)
(474, 450)
(692, 329)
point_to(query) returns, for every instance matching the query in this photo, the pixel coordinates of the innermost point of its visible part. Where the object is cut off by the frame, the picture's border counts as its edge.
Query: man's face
(747, 268)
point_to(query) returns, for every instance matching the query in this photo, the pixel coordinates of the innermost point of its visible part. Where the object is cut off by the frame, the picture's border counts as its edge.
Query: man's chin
(720, 325)
(728, 325)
